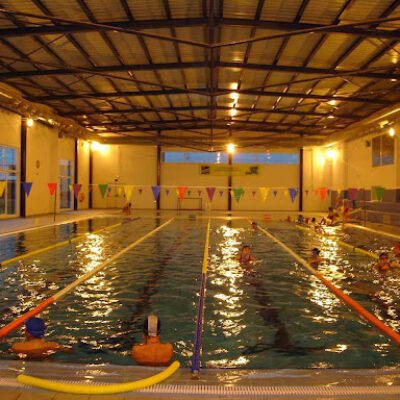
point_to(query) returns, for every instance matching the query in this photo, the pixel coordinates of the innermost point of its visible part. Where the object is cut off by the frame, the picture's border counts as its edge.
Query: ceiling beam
(205, 108)
(189, 22)
(202, 64)
(205, 90)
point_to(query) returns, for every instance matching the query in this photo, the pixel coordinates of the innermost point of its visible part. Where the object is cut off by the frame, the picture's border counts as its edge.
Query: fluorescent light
(231, 148)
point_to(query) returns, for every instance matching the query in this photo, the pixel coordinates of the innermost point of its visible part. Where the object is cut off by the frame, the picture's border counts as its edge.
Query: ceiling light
(392, 132)
(332, 102)
(29, 122)
(331, 116)
(232, 112)
(331, 153)
(231, 148)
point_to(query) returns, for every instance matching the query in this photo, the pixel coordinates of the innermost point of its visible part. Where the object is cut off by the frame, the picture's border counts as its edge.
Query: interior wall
(83, 173)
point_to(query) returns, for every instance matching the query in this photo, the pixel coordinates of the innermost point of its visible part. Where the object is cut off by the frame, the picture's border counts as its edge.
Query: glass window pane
(376, 151)
(244, 158)
(10, 158)
(1, 157)
(174, 157)
(277, 158)
(65, 168)
(3, 198)
(11, 194)
(387, 149)
(65, 193)
(208, 158)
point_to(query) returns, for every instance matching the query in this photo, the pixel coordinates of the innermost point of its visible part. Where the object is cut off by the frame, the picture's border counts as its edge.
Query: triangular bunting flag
(167, 192)
(103, 189)
(52, 188)
(328, 192)
(221, 192)
(307, 191)
(238, 193)
(2, 187)
(156, 191)
(182, 192)
(189, 192)
(69, 187)
(352, 193)
(128, 189)
(254, 192)
(379, 191)
(77, 188)
(264, 193)
(27, 186)
(140, 190)
(322, 193)
(293, 193)
(120, 189)
(199, 192)
(275, 192)
(210, 192)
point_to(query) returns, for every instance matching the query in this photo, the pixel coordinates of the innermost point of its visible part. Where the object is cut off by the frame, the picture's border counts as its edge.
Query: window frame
(7, 172)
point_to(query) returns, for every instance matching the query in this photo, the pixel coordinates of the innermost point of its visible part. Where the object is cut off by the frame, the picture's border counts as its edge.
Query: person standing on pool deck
(35, 346)
(151, 352)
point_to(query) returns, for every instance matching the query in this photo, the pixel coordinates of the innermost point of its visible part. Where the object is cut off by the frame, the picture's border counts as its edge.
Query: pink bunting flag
(182, 192)
(52, 188)
(210, 192)
(77, 188)
(353, 193)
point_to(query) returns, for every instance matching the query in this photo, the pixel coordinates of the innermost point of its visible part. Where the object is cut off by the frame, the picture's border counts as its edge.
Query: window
(66, 172)
(9, 175)
(382, 150)
(195, 157)
(265, 158)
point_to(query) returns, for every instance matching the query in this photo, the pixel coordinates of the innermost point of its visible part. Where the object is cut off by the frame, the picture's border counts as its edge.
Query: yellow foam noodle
(99, 389)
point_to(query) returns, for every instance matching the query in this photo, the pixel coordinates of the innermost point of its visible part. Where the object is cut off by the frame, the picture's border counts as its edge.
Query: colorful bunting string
(210, 193)
(156, 192)
(52, 188)
(103, 189)
(27, 186)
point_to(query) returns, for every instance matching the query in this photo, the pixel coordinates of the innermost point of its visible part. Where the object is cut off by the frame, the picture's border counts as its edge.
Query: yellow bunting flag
(264, 193)
(286, 192)
(339, 191)
(120, 191)
(2, 188)
(128, 191)
(70, 187)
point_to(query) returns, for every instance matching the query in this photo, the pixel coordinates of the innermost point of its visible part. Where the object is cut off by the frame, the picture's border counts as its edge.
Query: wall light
(392, 132)
(331, 153)
(29, 122)
(231, 148)
(96, 146)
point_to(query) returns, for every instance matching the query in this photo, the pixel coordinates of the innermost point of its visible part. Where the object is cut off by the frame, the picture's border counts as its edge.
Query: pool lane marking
(358, 249)
(195, 368)
(60, 244)
(347, 299)
(75, 388)
(375, 231)
(19, 321)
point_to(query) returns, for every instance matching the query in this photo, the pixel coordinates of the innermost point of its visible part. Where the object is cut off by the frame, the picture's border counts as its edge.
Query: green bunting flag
(379, 191)
(238, 193)
(103, 189)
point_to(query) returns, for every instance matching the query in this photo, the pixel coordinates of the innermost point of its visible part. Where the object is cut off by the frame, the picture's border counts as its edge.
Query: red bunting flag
(182, 192)
(199, 192)
(52, 188)
(323, 192)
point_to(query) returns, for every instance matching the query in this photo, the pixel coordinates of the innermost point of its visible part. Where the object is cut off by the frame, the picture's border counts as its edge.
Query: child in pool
(245, 256)
(315, 259)
(384, 264)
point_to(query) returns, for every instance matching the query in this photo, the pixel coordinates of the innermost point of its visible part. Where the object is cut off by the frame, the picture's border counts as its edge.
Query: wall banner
(226, 170)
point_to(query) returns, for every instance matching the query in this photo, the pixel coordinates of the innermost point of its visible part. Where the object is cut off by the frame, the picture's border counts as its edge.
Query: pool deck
(213, 383)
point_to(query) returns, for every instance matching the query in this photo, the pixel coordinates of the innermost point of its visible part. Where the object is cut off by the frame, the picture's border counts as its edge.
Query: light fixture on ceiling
(231, 148)
(392, 132)
(29, 122)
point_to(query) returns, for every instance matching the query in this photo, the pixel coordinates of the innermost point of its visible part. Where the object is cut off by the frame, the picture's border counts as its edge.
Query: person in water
(151, 352)
(384, 264)
(35, 346)
(315, 258)
(332, 216)
(245, 255)
(254, 225)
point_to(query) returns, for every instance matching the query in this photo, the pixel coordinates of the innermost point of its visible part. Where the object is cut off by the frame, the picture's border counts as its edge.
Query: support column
(301, 162)
(75, 172)
(158, 172)
(22, 197)
(229, 183)
(90, 177)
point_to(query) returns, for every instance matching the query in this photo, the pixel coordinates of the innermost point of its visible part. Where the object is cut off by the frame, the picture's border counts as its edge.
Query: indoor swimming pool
(270, 314)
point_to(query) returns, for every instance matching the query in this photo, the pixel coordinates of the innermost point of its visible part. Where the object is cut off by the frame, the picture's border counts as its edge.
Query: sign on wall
(226, 170)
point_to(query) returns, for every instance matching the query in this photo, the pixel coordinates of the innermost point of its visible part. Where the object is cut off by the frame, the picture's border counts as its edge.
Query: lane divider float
(19, 321)
(347, 299)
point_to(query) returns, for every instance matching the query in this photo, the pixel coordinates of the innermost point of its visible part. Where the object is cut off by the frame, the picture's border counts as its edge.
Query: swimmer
(396, 251)
(288, 219)
(315, 259)
(384, 264)
(151, 352)
(127, 208)
(245, 256)
(300, 219)
(332, 216)
(35, 346)
(254, 225)
(346, 210)
(317, 227)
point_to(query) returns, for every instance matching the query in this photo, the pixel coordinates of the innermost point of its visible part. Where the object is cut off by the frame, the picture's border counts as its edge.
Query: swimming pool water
(272, 314)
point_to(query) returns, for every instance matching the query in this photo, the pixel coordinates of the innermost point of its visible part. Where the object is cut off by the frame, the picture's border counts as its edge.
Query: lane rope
(195, 368)
(98, 389)
(19, 321)
(347, 299)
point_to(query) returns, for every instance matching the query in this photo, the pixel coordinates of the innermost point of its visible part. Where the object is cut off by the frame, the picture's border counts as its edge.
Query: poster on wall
(226, 170)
